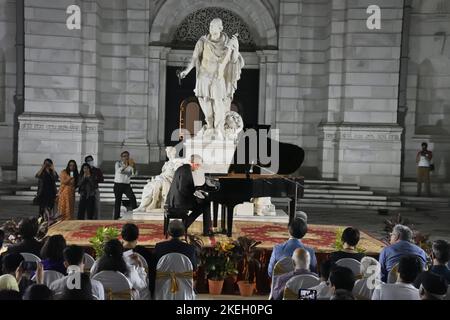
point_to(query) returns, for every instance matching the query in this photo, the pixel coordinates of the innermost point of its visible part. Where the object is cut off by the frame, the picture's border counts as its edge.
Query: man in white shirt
(323, 289)
(124, 170)
(423, 161)
(409, 268)
(73, 260)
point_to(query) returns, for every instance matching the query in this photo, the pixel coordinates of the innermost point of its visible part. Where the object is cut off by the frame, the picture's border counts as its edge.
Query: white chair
(350, 263)
(116, 285)
(282, 266)
(30, 257)
(143, 261)
(50, 276)
(303, 281)
(174, 278)
(361, 290)
(88, 261)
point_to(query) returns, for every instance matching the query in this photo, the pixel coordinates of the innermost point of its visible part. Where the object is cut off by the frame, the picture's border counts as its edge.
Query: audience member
(10, 295)
(176, 232)
(409, 268)
(342, 281)
(73, 261)
(324, 291)
(98, 178)
(297, 230)
(370, 271)
(8, 282)
(28, 229)
(130, 236)
(52, 254)
(47, 191)
(2, 237)
(302, 261)
(10, 265)
(85, 292)
(433, 286)
(86, 189)
(350, 238)
(401, 245)
(113, 260)
(66, 194)
(38, 292)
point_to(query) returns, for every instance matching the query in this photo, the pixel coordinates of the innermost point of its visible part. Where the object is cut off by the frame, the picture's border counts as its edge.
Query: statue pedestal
(217, 155)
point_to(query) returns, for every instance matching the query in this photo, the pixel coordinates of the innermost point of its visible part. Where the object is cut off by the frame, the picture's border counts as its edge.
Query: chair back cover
(50, 276)
(30, 257)
(350, 263)
(88, 261)
(302, 281)
(282, 266)
(116, 285)
(174, 278)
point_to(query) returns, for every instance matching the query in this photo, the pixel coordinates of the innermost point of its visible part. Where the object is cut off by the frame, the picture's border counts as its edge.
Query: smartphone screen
(307, 294)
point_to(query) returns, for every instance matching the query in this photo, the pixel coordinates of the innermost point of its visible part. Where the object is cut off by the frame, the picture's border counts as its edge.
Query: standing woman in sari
(69, 181)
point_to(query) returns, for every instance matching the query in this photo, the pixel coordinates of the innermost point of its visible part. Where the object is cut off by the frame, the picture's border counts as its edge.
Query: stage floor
(320, 237)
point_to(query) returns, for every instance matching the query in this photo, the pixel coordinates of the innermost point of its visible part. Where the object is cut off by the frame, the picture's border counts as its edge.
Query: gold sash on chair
(173, 278)
(119, 295)
(278, 270)
(289, 294)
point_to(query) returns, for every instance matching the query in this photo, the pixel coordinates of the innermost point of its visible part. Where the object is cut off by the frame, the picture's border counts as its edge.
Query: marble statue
(155, 191)
(218, 65)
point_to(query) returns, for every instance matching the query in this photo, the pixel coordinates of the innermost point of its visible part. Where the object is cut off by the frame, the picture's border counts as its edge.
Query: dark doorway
(245, 102)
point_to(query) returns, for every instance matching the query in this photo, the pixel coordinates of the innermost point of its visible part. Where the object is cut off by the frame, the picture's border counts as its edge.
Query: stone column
(268, 67)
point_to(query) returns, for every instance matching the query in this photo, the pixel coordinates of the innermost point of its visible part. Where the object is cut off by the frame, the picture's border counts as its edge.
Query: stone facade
(329, 84)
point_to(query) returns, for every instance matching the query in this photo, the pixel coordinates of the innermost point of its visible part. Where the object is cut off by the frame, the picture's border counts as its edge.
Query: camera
(307, 294)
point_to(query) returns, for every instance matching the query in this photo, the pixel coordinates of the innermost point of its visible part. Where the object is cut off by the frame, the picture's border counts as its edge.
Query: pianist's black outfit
(181, 198)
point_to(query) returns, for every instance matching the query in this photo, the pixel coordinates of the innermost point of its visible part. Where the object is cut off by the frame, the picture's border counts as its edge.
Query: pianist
(186, 194)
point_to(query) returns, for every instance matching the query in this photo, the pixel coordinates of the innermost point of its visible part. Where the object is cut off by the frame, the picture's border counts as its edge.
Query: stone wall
(7, 80)
(428, 87)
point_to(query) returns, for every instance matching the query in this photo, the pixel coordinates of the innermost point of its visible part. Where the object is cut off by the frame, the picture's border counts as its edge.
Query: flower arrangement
(103, 235)
(339, 245)
(220, 262)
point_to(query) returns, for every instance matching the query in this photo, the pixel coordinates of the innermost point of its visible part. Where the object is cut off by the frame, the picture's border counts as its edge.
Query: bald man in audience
(302, 260)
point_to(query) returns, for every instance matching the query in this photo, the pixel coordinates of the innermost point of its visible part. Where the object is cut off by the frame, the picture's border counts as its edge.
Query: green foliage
(220, 261)
(103, 235)
(248, 254)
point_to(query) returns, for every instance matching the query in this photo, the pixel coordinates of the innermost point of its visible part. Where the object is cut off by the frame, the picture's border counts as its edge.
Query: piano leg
(223, 226)
(215, 214)
(230, 220)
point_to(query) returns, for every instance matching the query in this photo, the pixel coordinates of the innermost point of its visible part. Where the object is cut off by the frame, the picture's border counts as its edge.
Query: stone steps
(318, 193)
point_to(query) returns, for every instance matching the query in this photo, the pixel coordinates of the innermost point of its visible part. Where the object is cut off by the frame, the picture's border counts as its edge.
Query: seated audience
(28, 229)
(52, 254)
(401, 245)
(113, 260)
(350, 238)
(2, 237)
(38, 292)
(409, 268)
(130, 235)
(324, 289)
(10, 295)
(11, 264)
(297, 230)
(73, 261)
(364, 287)
(433, 286)
(440, 255)
(302, 261)
(342, 281)
(175, 244)
(84, 293)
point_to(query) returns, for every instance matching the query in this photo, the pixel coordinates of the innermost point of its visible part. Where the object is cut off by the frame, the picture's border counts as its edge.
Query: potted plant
(250, 264)
(102, 236)
(219, 262)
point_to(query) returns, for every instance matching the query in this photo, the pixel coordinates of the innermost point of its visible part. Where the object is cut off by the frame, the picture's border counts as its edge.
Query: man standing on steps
(423, 161)
(98, 178)
(125, 168)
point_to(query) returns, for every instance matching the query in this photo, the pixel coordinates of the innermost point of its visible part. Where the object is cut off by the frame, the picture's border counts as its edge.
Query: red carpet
(320, 237)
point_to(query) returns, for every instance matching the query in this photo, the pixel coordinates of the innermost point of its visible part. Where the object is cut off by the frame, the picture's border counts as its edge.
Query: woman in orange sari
(69, 180)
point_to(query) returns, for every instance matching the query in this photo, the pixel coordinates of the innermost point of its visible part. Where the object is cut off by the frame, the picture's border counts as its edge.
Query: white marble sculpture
(155, 191)
(218, 66)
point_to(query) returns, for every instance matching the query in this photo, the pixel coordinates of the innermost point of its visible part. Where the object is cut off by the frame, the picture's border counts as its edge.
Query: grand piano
(251, 179)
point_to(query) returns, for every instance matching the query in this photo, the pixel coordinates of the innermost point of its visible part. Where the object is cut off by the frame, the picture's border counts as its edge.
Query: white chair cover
(350, 263)
(143, 261)
(302, 281)
(30, 257)
(50, 276)
(88, 261)
(113, 282)
(174, 279)
(282, 266)
(361, 290)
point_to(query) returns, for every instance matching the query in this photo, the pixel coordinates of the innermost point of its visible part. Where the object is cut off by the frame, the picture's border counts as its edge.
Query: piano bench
(282, 202)
(179, 214)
